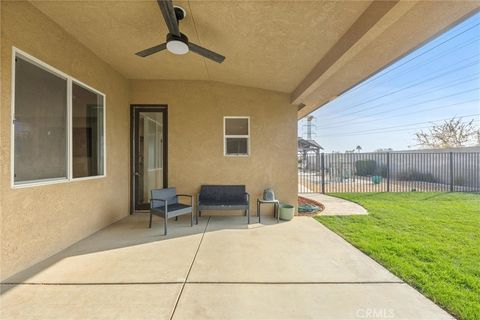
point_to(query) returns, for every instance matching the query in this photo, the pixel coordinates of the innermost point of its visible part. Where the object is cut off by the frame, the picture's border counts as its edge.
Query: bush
(413, 175)
(365, 167)
(383, 171)
(459, 181)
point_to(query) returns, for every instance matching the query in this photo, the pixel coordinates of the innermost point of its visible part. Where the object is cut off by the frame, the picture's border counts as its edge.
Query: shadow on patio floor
(128, 252)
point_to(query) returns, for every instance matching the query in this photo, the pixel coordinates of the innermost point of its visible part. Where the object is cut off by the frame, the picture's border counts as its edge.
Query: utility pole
(310, 126)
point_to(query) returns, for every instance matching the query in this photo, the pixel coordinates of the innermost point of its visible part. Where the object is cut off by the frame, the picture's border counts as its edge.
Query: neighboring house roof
(305, 145)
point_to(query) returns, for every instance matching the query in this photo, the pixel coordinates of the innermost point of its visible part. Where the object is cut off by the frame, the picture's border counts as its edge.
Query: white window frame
(70, 80)
(225, 136)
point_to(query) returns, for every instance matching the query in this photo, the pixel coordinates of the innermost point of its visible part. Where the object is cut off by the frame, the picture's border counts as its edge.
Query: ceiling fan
(177, 42)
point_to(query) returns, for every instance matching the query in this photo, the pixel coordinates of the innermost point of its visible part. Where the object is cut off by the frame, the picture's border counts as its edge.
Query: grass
(430, 240)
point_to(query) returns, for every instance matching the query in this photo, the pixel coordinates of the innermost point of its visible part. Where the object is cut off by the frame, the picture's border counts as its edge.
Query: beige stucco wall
(195, 135)
(39, 221)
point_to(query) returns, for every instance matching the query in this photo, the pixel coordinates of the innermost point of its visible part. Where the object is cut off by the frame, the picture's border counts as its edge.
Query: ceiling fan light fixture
(177, 47)
(177, 44)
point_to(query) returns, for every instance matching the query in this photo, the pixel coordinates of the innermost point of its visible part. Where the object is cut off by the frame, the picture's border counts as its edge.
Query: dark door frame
(135, 109)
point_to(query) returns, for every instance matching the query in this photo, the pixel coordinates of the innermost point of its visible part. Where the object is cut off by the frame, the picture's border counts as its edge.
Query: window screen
(40, 124)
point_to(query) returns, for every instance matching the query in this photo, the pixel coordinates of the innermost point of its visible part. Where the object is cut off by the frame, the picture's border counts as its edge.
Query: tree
(358, 148)
(449, 134)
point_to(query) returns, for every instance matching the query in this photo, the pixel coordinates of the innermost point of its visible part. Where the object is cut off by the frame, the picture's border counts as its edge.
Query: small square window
(236, 136)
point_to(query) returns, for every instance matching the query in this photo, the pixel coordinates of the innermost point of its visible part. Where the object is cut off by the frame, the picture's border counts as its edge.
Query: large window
(236, 136)
(58, 125)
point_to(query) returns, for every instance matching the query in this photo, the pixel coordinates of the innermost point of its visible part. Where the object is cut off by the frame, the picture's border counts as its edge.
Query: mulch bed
(302, 201)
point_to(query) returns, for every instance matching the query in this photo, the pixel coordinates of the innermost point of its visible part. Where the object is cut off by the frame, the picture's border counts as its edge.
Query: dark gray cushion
(222, 194)
(220, 208)
(174, 210)
(240, 202)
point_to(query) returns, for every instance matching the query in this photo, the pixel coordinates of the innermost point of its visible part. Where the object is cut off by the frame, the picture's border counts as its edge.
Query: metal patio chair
(164, 203)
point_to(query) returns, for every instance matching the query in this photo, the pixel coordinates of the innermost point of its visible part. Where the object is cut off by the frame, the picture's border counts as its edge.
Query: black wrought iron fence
(389, 172)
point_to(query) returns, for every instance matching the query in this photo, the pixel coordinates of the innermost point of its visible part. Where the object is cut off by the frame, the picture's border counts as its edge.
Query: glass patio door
(150, 153)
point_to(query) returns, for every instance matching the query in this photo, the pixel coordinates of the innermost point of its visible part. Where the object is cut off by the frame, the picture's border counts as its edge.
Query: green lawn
(430, 240)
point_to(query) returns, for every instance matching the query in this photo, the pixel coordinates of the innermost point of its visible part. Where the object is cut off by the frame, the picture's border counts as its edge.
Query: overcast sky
(438, 81)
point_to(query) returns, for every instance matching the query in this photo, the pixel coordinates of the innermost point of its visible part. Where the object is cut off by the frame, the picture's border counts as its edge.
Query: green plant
(382, 171)
(413, 175)
(459, 181)
(365, 167)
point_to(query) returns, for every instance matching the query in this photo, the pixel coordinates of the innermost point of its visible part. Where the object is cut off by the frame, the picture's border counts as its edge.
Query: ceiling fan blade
(152, 50)
(169, 16)
(206, 53)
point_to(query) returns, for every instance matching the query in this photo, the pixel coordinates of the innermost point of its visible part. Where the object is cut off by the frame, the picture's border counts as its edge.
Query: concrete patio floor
(219, 269)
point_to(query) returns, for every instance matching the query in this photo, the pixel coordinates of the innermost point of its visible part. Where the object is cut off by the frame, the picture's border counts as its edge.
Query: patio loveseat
(223, 197)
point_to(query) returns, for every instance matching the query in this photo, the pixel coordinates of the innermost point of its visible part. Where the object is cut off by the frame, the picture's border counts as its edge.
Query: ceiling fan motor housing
(171, 37)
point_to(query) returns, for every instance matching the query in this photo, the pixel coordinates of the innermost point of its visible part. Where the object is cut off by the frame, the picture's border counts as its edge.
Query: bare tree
(449, 134)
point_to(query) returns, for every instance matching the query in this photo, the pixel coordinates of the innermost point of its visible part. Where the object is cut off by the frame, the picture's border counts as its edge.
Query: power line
(423, 64)
(409, 125)
(436, 76)
(386, 131)
(427, 101)
(409, 86)
(404, 107)
(401, 68)
(416, 57)
(421, 111)
(415, 95)
(383, 130)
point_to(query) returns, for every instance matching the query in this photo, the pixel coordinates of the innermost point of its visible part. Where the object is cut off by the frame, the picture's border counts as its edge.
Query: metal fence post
(323, 172)
(451, 171)
(388, 171)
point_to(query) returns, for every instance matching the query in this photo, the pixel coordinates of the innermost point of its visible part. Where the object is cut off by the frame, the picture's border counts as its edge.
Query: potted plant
(287, 211)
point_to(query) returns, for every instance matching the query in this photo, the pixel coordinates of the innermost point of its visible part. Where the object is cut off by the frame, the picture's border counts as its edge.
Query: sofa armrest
(247, 196)
(188, 196)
